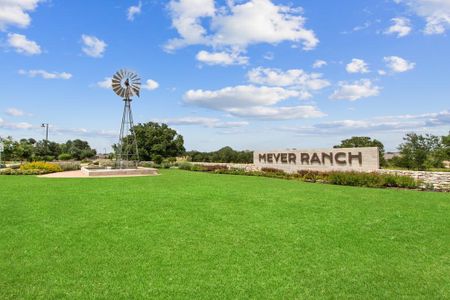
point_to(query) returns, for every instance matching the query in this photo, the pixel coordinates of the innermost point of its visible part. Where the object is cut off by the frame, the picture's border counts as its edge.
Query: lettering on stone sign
(292, 158)
(277, 157)
(304, 158)
(338, 157)
(358, 159)
(262, 158)
(352, 156)
(314, 158)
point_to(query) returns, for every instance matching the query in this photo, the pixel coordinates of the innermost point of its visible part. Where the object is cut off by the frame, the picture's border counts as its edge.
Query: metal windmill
(127, 84)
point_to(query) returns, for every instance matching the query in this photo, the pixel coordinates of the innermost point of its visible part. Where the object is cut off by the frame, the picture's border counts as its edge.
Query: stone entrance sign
(340, 159)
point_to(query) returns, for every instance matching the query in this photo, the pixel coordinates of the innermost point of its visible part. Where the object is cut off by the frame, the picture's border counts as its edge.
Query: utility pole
(45, 125)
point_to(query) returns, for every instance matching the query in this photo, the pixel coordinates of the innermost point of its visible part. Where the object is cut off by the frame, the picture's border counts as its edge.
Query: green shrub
(197, 168)
(69, 166)
(310, 176)
(65, 156)
(233, 171)
(40, 165)
(373, 180)
(185, 166)
(157, 159)
(272, 170)
(165, 165)
(407, 182)
(171, 160)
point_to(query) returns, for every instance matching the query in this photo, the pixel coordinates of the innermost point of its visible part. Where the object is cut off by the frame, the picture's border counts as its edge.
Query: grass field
(197, 235)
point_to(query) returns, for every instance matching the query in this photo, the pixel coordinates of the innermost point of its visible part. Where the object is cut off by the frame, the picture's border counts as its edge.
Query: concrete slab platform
(103, 173)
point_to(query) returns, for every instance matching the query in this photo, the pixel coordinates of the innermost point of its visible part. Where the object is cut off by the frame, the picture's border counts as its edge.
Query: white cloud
(15, 12)
(11, 125)
(85, 132)
(93, 46)
(357, 66)
(278, 113)
(221, 58)
(186, 19)
(435, 12)
(252, 101)
(202, 121)
(319, 64)
(398, 65)
(15, 112)
(133, 11)
(150, 85)
(238, 96)
(45, 74)
(106, 83)
(295, 79)
(237, 24)
(364, 26)
(363, 88)
(401, 27)
(401, 123)
(261, 21)
(22, 45)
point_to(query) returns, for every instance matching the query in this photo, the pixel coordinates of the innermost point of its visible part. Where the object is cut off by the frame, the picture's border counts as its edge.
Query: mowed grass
(205, 236)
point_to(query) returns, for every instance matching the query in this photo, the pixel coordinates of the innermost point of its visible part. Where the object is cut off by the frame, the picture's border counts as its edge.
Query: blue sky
(255, 74)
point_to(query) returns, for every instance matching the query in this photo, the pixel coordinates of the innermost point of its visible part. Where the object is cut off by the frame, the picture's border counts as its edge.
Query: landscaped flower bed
(33, 168)
(375, 180)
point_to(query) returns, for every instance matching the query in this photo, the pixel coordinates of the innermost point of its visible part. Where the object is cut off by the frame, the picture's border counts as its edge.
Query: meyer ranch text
(342, 158)
(348, 159)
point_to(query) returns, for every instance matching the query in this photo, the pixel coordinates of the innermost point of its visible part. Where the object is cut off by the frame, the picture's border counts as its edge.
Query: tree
(364, 141)
(157, 140)
(78, 149)
(223, 155)
(446, 146)
(8, 144)
(421, 152)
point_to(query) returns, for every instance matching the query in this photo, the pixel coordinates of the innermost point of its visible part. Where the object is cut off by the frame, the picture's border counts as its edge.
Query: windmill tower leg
(127, 147)
(134, 145)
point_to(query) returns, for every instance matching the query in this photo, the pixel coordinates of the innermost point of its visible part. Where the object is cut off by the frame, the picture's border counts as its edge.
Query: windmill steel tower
(127, 84)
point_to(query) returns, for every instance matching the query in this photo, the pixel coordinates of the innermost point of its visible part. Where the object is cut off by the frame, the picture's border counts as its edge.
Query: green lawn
(197, 235)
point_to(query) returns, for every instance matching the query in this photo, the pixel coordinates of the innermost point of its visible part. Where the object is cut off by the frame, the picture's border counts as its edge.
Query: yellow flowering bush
(40, 165)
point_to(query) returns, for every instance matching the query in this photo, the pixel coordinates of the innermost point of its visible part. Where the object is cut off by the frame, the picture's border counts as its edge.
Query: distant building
(446, 164)
(391, 155)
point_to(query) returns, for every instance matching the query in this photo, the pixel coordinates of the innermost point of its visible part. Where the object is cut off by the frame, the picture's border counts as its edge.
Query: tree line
(32, 150)
(417, 152)
(158, 142)
(223, 155)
